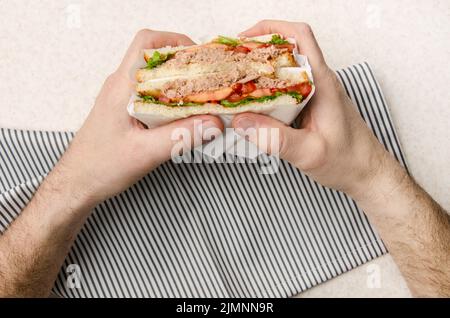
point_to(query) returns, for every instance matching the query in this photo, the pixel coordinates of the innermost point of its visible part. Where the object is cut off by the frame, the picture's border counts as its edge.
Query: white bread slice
(284, 60)
(282, 108)
(295, 75)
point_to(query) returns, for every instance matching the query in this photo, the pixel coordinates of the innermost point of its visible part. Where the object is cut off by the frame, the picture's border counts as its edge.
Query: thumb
(182, 135)
(298, 146)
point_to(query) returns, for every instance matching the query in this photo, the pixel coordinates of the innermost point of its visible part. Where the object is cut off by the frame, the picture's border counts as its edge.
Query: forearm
(33, 248)
(415, 229)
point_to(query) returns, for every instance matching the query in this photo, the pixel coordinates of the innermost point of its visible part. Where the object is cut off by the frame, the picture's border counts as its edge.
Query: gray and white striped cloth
(209, 229)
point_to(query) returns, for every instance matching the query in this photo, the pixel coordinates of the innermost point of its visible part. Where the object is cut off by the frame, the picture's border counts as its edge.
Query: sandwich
(224, 77)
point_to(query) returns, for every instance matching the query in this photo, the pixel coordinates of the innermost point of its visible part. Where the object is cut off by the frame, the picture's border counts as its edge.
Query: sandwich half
(225, 76)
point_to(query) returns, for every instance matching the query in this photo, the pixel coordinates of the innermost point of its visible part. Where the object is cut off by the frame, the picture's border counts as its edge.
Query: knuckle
(108, 85)
(143, 33)
(304, 28)
(183, 36)
(265, 22)
(333, 79)
(115, 82)
(325, 74)
(284, 145)
(316, 156)
(320, 153)
(111, 79)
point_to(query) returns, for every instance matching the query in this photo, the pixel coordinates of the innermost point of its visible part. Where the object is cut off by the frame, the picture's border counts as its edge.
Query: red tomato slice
(164, 99)
(209, 96)
(237, 88)
(241, 91)
(241, 49)
(254, 45)
(288, 46)
(234, 97)
(248, 87)
(260, 92)
(303, 89)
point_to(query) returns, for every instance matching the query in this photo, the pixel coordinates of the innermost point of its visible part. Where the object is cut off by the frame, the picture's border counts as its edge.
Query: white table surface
(52, 65)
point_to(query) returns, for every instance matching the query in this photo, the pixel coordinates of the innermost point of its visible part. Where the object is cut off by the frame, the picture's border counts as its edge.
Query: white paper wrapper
(230, 142)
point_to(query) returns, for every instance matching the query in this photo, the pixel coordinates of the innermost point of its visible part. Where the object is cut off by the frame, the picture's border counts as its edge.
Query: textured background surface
(54, 56)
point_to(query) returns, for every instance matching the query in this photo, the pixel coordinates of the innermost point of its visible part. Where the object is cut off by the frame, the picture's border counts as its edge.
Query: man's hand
(335, 147)
(109, 153)
(333, 144)
(112, 150)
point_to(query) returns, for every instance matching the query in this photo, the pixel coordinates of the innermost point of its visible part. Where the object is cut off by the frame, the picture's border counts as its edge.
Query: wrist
(66, 184)
(60, 204)
(383, 179)
(79, 172)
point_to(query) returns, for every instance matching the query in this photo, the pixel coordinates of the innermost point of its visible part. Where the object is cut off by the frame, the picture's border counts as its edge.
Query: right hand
(333, 145)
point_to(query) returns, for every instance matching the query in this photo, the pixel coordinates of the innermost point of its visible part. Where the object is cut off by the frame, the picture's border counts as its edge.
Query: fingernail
(210, 130)
(209, 124)
(245, 123)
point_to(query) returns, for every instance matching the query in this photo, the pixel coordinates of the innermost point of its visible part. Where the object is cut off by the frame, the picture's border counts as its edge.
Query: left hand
(113, 150)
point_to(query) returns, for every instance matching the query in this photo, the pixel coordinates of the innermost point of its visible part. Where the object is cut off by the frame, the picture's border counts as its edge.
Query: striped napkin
(207, 229)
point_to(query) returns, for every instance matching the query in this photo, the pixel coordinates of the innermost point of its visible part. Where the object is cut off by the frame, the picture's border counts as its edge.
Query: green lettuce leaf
(157, 59)
(262, 99)
(227, 41)
(277, 39)
(153, 100)
(148, 99)
(226, 103)
(297, 96)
